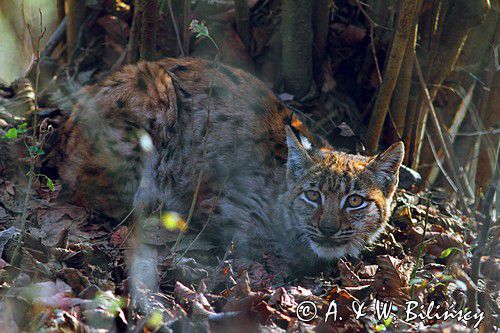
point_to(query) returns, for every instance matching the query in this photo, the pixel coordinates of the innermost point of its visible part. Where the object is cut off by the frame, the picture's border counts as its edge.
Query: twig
(56, 38)
(176, 28)
(205, 144)
(438, 162)
(373, 25)
(374, 54)
(24, 215)
(31, 173)
(480, 133)
(421, 246)
(209, 218)
(437, 132)
(135, 33)
(482, 240)
(185, 16)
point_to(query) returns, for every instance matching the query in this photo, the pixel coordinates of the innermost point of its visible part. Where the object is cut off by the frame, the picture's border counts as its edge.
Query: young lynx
(220, 136)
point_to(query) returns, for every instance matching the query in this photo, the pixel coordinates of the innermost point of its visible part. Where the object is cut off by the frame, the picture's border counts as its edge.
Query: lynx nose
(329, 230)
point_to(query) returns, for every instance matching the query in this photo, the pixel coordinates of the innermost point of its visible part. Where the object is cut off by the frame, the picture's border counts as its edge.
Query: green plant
(15, 132)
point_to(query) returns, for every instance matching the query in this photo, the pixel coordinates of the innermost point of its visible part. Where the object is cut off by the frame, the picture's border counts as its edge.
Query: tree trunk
(61, 10)
(243, 21)
(296, 31)
(462, 16)
(488, 152)
(149, 26)
(403, 31)
(399, 101)
(76, 16)
(135, 33)
(320, 23)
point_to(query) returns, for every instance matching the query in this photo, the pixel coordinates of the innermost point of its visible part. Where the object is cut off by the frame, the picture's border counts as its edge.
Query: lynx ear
(298, 159)
(385, 166)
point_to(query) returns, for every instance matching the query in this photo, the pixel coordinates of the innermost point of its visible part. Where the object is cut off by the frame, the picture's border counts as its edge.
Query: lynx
(220, 136)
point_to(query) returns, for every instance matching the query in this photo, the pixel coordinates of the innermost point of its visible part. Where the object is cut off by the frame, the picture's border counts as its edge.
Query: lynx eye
(354, 201)
(313, 196)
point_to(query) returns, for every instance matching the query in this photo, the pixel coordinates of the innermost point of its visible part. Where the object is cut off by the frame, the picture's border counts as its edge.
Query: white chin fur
(335, 252)
(331, 253)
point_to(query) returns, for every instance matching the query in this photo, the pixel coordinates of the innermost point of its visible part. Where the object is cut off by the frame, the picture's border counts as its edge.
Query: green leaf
(388, 321)
(447, 252)
(156, 319)
(50, 184)
(415, 281)
(22, 128)
(199, 28)
(11, 134)
(36, 151)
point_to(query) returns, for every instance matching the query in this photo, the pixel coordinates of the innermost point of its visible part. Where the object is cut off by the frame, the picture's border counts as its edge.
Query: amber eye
(313, 196)
(354, 201)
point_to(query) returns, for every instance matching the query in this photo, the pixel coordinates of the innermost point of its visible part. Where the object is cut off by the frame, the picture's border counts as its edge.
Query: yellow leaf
(173, 221)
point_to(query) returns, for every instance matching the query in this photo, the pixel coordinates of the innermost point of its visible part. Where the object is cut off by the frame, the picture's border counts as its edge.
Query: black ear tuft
(385, 166)
(298, 159)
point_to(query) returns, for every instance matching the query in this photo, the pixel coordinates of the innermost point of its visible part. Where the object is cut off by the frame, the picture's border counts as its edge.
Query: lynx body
(220, 136)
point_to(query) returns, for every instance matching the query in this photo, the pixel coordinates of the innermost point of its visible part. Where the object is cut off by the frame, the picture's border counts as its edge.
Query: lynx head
(339, 202)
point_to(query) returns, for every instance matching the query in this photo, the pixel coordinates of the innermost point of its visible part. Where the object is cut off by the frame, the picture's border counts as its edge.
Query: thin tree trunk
(135, 33)
(76, 16)
(428, 31)
(403, 31)
(243, 21)
(488, 152)
(61, 10)
(435, 132)
(399, 101)
(185, 26)
(149, 28)
(462, 16)
(320, 23)
(296, 30)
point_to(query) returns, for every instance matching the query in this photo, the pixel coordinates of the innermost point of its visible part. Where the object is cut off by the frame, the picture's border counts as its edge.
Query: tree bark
(462, 16)
(320, 23)
(76, 16)
(403, 31)
(488, 152)
(135, 33)
(399, 101)
(243, 21)
(149, 28)
(61, 10)
(296, 30)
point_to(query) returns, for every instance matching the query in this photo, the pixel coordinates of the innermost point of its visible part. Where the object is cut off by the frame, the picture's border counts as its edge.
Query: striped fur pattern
(265, 184)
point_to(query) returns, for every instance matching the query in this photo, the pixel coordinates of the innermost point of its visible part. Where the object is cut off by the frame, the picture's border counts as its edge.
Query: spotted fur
(255, 170)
